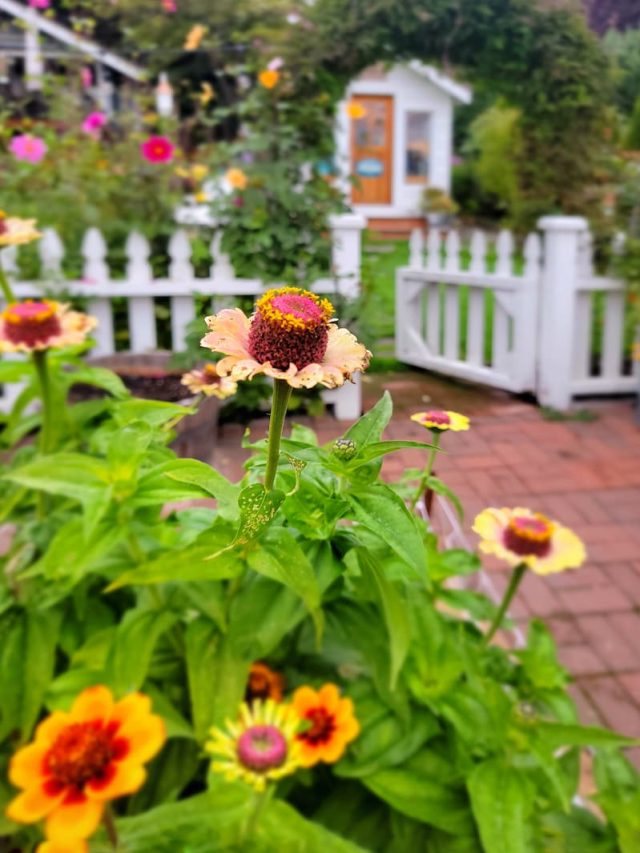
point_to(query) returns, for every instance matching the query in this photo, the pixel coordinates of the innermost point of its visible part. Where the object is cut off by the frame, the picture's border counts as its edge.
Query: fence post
(557, 312)
(346, 251)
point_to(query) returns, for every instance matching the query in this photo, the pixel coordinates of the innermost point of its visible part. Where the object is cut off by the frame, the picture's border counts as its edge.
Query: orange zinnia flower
(236, 179)
(331, 724)
(264, 683)
(80, 760)
(269, 78)
(72, 847)
(290, 336)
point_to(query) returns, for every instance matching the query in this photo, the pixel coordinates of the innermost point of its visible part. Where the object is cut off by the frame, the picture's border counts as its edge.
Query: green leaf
(72, 475)
(280, 558)
(502, 800)
(13, 370)
(99, 377)
(384, 513)
(381, 448)
(555, 735)
(152, 412)
(371, 426)
(436, 485)
(258, 508)
(27, 658)
(134, 642)
(395, 613)
(211, 481)
(201, 652)
(540, 660)
(417, 790)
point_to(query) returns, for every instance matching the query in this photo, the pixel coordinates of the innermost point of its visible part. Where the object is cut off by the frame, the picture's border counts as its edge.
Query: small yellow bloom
(15, 231)
(269, 78)
(236, 179)
(207, 381)
(194, 37)
(258, 748)
(521, 536)
(438, 421)
(356, 110)
(207, 94)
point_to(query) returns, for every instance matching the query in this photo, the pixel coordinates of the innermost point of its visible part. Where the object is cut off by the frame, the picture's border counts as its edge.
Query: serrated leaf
(133, 645)
(371, 425)
(502, 800)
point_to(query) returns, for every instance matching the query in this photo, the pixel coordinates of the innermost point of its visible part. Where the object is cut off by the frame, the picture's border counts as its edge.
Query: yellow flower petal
(74, 821)
(26, 765)
(94, 703)
(32, 805)
(128, 777)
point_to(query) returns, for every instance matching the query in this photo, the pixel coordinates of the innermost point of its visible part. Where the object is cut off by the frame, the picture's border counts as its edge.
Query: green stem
(281, 394)
(7, 292)
(110, 826)
(40, 363)
(427, 471)
(514, 583)
(260, 800)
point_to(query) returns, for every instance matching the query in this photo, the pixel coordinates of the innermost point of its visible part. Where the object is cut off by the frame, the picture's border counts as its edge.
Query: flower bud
(344, 448)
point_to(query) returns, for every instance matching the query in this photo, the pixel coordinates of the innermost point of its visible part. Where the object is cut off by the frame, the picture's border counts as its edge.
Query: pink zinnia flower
(169, 5)
(86, 77)
(94, 123)
(29, 148)
(157, 149)
(39, 4)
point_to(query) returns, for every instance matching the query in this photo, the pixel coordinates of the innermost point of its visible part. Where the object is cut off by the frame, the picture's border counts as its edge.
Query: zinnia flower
(330, 724)
(72, 847)
(520, 536)
(80, 760)
(157, 149)
(207, 381)
(269, 78)
(289, 337)
(439, 421)
(94, 123)
(28, 326)
(194, 37)
(169, 6)
(260, 747)
(356, 110)
(236, 179)
(264, 683)
(39, 4)
(14, 231)
(32, 149)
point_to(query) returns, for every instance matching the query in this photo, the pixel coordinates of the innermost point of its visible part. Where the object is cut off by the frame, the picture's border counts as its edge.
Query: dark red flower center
(82, 753)
(3, 225)
(323, 725)
(262, 748)
(31, 323)
(529, 535)
(290, 326)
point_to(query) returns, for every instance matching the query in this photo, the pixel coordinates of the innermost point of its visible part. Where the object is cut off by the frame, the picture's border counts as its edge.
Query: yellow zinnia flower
(15, 231)
(439, 421)
(522, 537)
(269, 78)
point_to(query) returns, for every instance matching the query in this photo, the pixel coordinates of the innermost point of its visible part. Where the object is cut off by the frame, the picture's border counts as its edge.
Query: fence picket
(452, 322)
(140, 309)
(416, 249)
(500, 344)
(452, 250)
(433, 249)
(478, 250)
(582, 341)
(475, 326)
(612, 335)
(94, 252)
(504, 253)
(182, 313)
(180, 267)
(51, 251)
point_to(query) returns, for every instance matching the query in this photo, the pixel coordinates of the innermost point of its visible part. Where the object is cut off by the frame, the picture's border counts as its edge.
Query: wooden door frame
(389, 100)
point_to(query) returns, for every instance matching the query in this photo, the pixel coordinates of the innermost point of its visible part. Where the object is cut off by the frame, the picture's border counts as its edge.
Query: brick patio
(585, 474)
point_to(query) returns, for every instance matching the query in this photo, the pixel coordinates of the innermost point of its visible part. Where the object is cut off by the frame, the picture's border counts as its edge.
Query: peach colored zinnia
(80, 760)
(290, 336)
(30, 325)
(207, 381)
(15, 231)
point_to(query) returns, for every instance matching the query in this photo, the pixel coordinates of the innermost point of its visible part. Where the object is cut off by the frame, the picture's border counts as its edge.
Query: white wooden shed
(401, 143)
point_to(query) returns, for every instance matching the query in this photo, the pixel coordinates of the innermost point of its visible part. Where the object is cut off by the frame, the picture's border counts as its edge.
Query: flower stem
(110, 826)
(258, 803)
(280, 400)
(7, 292)
(514, 583)
(40, 363)
(427, 471)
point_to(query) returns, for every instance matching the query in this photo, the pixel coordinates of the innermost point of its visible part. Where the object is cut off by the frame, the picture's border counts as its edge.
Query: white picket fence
(542, 302)
(181, 286)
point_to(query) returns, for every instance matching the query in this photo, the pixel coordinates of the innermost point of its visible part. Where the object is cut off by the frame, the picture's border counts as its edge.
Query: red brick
(626, 578)
(596, 599)
(613, 552)
(611, 645)
(614, 702)
(587, 713)
(581, 660)
(539, 597)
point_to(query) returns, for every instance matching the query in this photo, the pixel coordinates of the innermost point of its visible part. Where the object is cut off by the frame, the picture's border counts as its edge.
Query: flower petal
(125, 778)
(144, 736)
(567, 552)
(49, 729)
(344, 356)
(74, 821)
(94, 703)
(229, 333)
(32, 805)
(304, 699)
(78, 846)
(27, 765)
(329, 698)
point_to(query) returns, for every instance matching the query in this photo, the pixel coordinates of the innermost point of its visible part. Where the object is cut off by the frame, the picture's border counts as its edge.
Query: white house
(400, 143)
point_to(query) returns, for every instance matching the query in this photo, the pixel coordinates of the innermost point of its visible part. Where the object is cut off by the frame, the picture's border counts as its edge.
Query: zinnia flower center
(82, 753)
(323, 725)
(529, 535)
(437, 418)
(31, 323)
(3, 225)
(290, 326)
(262, 748)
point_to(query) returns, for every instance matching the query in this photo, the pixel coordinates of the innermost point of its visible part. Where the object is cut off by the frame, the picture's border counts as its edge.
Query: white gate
(535, 320)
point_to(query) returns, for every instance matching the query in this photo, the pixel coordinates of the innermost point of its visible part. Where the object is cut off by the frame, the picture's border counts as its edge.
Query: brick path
(584, 474)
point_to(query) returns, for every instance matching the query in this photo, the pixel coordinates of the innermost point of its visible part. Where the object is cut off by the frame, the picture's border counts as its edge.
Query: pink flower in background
(169, 6)
(39, 4)
(29, 148)
(157, 149)
(94, 123)
(86, 77)
(276, 63)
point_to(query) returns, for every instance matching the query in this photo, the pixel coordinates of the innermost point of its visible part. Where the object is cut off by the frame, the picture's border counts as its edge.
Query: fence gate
(470, 313)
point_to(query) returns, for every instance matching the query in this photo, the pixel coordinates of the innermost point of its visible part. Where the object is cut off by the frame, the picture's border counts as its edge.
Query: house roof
(64, 35)
(455, 90)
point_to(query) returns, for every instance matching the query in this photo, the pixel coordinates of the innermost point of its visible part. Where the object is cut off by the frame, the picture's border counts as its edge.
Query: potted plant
(438, 207)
